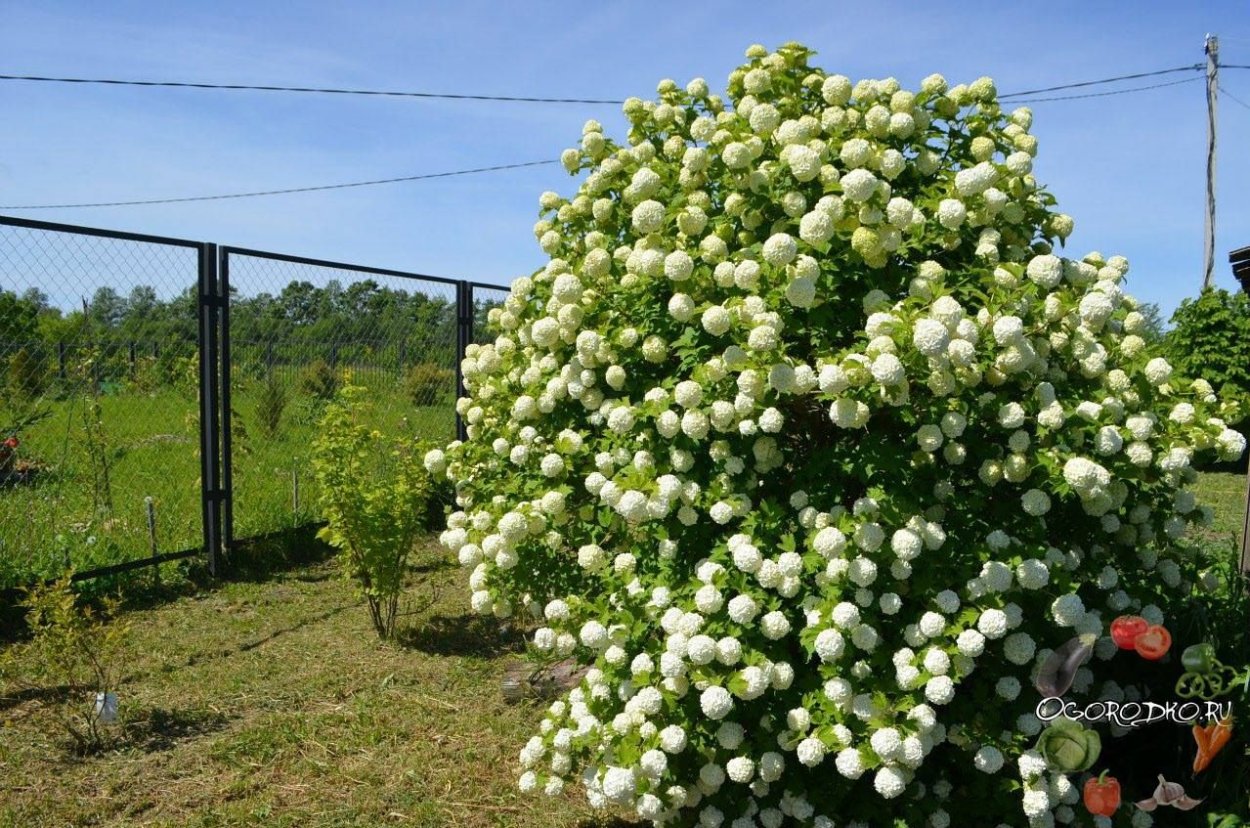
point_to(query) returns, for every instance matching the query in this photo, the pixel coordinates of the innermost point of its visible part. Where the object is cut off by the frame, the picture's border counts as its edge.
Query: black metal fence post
(227, 411)
(210, 405)
(464, 335)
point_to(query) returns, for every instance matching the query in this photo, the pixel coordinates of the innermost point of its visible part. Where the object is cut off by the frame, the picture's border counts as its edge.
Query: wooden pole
(1213, 85)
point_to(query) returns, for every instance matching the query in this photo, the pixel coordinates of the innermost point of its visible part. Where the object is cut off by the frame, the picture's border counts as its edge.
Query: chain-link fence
(159, 397)
(98, 398)
(299, 330)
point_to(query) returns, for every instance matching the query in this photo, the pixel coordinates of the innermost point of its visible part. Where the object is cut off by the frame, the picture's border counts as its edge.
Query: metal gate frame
(217, 456)
(213, 351)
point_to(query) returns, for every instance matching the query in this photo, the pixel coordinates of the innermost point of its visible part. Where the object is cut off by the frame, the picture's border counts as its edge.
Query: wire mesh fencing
(159, 398)
(299, 330)
(98, 398)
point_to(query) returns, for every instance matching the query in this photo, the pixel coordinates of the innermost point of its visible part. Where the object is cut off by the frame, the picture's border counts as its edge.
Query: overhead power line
(282, 192)
(1233, 97)
(458, 96)
(1193, 67)
(312, 89)
(1106, 94)
(519, 99)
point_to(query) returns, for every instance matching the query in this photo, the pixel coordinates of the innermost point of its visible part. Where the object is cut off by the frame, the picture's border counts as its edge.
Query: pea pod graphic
(1059, 670)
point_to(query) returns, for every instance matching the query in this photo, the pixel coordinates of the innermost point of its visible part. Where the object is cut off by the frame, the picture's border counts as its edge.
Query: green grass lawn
(1226, 494)
(152, 446)
(273, 704)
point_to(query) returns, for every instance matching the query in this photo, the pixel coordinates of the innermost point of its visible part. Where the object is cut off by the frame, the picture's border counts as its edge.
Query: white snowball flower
(993, 623)
(849, 763)
(1158, 371)
(673, 739)
(780, 249)
(939, 689)
(716, 702)
(1068, 610)
(648, 216)
(775, 625)
(930, 337)
(1018, 648)
(951, 213)
(859, 185)
(743, 609)
(1035, 502)
(619, 785)
(889, 782)
(1045, 270)
(988, 759)
(971, 643)
(811, 752)
(829, 645)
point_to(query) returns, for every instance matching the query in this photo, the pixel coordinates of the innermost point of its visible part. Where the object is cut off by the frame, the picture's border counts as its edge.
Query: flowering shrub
(812, 445)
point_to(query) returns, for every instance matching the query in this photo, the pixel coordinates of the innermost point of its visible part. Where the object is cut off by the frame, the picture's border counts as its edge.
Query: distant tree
(38, 298)
(19, 321)
(106, 308)
(1210, 338)
(1156, 328)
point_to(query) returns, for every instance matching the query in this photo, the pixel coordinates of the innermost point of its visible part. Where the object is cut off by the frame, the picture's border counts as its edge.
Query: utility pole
(1213, 84)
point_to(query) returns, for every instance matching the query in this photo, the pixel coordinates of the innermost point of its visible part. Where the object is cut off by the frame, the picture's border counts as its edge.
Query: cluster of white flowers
(803, 430)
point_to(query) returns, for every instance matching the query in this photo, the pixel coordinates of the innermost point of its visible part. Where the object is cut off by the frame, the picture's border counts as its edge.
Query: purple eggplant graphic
(1059, 670)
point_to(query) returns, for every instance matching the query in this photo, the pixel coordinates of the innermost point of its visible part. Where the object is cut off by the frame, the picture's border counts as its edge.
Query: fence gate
(159, 396)
(100, 374)
(295, 330)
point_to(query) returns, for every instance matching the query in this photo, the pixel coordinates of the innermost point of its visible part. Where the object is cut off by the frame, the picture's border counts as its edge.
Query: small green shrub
(77, 651)
(270, 404)
(319, 381)
(373, 497)
(427, 383)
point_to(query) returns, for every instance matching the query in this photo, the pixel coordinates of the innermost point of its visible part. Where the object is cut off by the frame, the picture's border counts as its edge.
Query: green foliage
(1210, 339)
(270, 403)
(373, 497)
(319, 380)
(427, 383)
(14, 419)
(27, 374)
(146, 376)
(18, 320)
(76, 651)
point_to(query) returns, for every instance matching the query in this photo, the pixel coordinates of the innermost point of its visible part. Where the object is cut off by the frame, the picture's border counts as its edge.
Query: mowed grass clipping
(273, 704)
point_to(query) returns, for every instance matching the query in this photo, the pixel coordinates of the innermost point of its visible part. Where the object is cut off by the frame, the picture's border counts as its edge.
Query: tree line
(362, 323)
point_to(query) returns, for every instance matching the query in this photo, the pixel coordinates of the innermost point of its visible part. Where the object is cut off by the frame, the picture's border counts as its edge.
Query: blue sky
(1130, 168)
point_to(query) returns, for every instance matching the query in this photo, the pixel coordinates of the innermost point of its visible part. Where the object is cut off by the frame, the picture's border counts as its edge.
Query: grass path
(271, 704)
